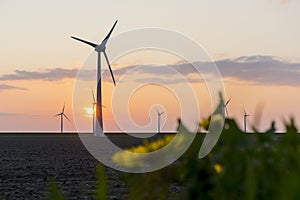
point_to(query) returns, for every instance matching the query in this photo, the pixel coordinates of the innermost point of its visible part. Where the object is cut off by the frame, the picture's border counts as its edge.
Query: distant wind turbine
(62, 115)
(225, 106)
(245, 121)
(93, 107)
(159, 114)
(100, 48)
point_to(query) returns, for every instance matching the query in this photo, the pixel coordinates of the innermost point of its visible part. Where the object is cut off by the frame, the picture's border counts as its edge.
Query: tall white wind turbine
(245, 121)
(100, 48)
(159, 114)
(62, 115)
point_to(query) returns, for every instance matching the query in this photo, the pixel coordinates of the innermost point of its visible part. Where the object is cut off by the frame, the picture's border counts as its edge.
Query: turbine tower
(159, 114)
(245, 121)
(94, 106)
(100, 48)
(225, 106)
(62, 115)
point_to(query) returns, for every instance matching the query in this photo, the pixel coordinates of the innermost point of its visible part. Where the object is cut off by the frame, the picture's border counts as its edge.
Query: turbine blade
(93, 96)
(157, 111)
(226, 111)
(63, 110)
(112, 75)
(108, 35)
(84, 41)
(162, 112)
(56, 115)
(66, 116)
(227, 102)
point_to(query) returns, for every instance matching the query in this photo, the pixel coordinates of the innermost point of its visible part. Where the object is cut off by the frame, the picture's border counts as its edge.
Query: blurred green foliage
(54, 192)
(101, 189)
(241, 166)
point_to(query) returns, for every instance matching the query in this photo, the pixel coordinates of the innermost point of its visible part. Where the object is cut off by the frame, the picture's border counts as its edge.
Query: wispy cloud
(252, 69)
(261, 70)
(10, 87)
(49, 74)
(7, 114)
(3, 114)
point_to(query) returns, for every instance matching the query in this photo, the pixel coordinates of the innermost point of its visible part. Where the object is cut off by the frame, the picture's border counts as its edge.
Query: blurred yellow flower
(218, 168)
(138, 149)
(133, 157)
(151, 146)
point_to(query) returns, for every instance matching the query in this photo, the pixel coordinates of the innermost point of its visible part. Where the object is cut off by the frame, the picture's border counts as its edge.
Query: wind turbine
(100, 48)
(225, 106)
(159, 114)
(62, 115)
(245, 121)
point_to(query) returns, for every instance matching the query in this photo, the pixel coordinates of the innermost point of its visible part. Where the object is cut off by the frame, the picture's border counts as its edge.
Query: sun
(88, 110)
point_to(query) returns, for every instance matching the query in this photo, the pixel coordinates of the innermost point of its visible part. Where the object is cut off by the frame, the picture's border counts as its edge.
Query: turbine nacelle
(100, 48)
(245, 114)
(160, 113)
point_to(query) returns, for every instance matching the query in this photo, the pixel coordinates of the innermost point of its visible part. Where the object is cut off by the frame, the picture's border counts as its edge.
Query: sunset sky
(254, 44)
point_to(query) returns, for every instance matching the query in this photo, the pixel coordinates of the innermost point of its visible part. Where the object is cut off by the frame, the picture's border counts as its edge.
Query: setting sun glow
(88, 111)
